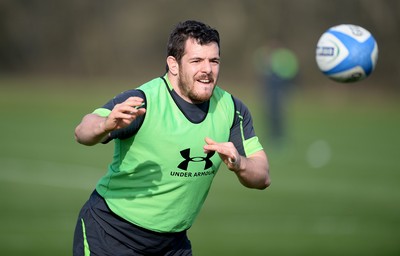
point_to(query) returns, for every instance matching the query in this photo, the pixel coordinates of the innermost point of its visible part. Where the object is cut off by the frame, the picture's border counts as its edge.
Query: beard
(194, 93)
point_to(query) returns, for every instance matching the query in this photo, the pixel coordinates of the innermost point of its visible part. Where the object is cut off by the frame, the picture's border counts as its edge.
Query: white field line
(49, 173)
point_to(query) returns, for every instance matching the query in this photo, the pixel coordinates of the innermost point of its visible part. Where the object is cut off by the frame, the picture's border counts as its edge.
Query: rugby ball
(346, 53)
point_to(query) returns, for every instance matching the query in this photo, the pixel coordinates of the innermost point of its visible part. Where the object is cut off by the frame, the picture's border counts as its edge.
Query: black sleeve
(132, 129)
(242, 122)
(123, 97)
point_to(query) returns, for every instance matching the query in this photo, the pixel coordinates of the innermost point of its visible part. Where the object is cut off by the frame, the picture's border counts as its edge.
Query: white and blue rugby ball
(347, 53)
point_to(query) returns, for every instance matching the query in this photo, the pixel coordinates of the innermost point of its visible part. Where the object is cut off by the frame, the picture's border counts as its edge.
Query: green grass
(349, 205)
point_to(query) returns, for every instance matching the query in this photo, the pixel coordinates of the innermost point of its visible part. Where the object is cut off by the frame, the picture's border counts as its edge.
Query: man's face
(198, 71)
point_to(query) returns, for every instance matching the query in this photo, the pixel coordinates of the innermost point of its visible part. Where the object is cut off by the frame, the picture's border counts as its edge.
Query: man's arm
(94, 128)
(91, 130)
(252, 171)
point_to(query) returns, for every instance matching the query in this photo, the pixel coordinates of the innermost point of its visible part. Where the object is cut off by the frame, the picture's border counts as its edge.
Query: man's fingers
(135, 102)
(226, 150)
(209, 141)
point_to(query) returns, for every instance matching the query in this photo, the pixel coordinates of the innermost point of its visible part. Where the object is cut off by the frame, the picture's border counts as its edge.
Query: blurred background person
(277, 67)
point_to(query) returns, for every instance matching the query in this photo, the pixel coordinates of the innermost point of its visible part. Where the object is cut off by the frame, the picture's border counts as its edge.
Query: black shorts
(101, 232)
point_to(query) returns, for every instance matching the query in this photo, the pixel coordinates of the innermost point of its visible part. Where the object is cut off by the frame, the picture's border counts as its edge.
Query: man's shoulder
(152, 84)
(126, 94)
(140, 90)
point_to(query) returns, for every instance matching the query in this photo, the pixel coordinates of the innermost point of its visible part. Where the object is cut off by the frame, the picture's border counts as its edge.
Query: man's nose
(206, 67)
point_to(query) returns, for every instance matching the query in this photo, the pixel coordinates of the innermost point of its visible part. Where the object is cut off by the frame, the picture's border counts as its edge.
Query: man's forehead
(192, 47)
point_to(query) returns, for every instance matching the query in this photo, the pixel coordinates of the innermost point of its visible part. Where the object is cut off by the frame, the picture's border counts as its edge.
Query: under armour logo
(186, 155)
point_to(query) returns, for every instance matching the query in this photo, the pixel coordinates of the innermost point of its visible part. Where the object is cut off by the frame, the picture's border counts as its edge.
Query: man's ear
(172, 65)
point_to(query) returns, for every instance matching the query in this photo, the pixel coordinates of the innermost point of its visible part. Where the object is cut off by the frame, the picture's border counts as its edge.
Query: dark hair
(199, 31)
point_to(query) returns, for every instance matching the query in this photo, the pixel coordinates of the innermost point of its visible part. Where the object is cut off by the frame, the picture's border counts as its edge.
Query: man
(171, 134)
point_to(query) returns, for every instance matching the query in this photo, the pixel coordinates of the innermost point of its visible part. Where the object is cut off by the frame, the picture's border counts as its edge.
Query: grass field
(335, 182)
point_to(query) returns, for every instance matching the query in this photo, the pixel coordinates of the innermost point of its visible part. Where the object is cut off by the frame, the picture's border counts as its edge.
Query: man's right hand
(94, 128)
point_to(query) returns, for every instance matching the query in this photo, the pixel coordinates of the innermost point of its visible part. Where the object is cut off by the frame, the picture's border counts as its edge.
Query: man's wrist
(102, 127)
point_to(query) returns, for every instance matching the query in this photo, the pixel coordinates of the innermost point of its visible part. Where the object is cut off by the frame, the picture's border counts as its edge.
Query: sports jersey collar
(167, 82)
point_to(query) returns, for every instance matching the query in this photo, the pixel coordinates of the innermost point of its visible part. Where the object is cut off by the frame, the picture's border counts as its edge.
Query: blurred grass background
(335, 179)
